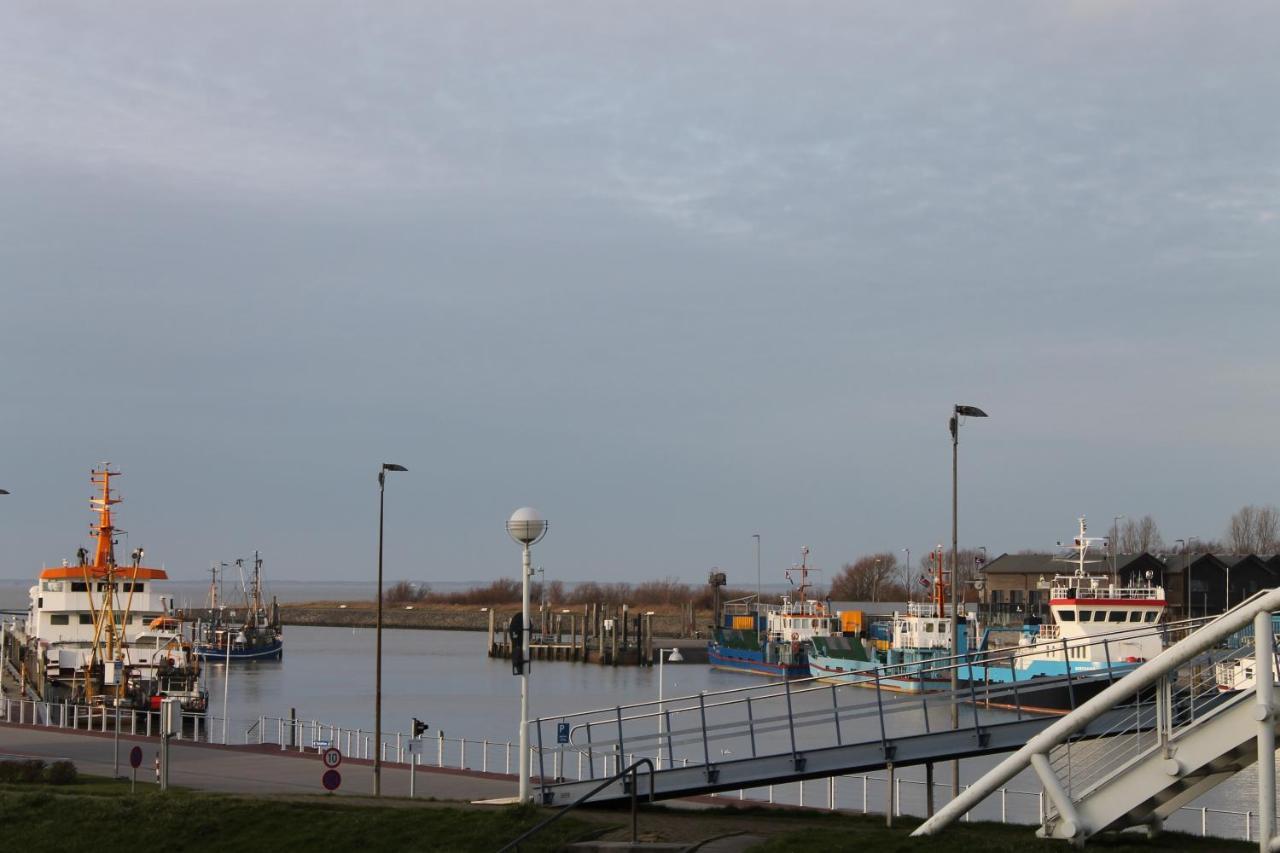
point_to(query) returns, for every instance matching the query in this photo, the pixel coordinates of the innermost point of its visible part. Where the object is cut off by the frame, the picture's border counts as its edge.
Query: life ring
(794, 636)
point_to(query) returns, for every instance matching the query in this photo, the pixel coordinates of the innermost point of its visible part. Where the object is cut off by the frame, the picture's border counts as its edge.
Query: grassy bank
(101, 815)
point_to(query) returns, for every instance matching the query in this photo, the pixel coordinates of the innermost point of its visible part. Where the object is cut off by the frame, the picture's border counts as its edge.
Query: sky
(672, 273)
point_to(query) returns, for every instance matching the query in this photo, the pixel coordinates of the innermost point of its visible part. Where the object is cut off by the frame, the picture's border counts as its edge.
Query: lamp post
(759, 598)
(1186, 569)
(906, 574)
(377, 688)
(3, 637)
(675, 657)
(525, 526)
(1115, 545)
(958, 411)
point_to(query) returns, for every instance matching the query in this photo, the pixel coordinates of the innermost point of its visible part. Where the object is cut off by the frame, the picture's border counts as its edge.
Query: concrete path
(245, 770)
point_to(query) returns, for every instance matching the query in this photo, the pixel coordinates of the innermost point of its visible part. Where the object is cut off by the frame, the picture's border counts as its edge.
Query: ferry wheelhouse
(103, 630)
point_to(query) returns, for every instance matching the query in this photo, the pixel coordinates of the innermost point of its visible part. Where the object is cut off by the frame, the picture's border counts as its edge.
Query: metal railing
(632, 770)
(771, 719)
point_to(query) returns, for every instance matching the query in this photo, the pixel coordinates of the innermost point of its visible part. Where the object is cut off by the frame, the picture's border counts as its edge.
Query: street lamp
(377, 689)
(1186, 568)
(674, 656)
(525, 526)
(759, 599)
(958, 411)
(906, 574)
(1115, 545)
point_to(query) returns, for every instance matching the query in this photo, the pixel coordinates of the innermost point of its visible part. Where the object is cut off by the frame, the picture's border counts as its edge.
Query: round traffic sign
(331, 780)
(135, 757)
(332, 757)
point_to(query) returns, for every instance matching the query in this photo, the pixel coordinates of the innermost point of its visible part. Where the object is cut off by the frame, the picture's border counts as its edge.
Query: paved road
(244, 770)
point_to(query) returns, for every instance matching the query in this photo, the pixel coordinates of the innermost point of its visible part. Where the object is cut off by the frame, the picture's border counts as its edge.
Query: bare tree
(1254, 530)
(1139, 536)
(868, 578)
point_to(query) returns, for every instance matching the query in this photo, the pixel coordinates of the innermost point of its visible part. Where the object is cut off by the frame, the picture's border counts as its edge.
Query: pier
(602, 634)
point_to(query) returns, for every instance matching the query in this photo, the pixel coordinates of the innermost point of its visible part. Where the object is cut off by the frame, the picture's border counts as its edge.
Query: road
(245, 770)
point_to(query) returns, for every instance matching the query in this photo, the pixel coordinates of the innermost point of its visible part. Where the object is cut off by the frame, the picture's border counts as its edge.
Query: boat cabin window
(86, 618)
(1135, 615)
(1150, 616)
(79, 586)
(102, 586)
(1115, 616)
(928, 627)
(133, 587)
(1067, 615)
(1086, 615)
(1099, 616)
(59, 619)
(51, 586)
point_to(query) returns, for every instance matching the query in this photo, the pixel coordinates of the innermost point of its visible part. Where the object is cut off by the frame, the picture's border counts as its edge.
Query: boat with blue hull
(258, 636)
(772, 640)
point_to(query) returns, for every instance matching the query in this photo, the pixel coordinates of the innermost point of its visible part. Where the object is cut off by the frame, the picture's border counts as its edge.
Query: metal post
(835, 714)
(888, 794)
(524, 676)
(1264, 676)
(116, 740)
(751, 727)
(791, 725)
(413, 764)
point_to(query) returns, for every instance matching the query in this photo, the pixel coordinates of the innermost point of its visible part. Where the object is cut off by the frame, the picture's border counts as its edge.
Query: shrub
(24, 772)
(62, 773)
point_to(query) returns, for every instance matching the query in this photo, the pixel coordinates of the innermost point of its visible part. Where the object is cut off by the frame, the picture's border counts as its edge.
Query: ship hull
(753, 663)
(274, 650)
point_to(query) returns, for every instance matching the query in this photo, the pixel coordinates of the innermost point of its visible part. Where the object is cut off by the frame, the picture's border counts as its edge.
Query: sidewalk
(244, 770)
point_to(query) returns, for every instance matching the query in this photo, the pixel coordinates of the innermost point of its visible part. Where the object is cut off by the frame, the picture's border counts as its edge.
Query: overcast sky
(673, 273)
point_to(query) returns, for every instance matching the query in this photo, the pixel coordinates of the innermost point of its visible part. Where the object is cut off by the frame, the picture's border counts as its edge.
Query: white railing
(1157, 676)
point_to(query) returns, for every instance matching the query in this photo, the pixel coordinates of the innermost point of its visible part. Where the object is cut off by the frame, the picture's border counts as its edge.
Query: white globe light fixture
(527, 526)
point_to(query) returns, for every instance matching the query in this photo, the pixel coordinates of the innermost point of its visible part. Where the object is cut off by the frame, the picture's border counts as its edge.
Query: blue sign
(562, 733)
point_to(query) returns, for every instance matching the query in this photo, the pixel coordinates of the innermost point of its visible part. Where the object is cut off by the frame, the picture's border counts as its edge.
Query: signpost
(562, 732)
(331, 780)
(135, 761)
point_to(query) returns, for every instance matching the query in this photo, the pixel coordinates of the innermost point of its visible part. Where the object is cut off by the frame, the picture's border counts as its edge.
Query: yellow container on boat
(850, 621)
(744, 623)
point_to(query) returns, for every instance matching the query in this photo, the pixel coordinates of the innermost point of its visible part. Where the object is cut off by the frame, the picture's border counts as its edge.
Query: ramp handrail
(1145, 676)
(632, 769)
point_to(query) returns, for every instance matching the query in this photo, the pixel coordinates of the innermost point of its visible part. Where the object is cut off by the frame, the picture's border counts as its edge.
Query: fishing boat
(910, 652)
(772, 639)
(1100, 627)
(224, 635)
(102, 632)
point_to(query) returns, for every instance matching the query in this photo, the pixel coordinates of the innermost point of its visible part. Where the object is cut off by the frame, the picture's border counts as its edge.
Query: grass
(100, 814)
(849, 832)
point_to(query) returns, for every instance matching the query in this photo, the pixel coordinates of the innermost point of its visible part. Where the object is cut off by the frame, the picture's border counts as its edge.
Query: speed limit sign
(332, 757)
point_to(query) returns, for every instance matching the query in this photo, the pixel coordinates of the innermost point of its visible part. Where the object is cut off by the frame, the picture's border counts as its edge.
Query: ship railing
(1059, 589)
(773, 720)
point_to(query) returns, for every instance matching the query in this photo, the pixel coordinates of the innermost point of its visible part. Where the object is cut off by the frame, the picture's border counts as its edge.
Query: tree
(868, 578)
(1137, 537)
(1254, 530)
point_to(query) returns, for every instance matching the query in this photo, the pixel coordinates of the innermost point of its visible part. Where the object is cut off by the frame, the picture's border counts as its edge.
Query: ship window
(79, 586)
(1150, 616)
(86, 618)
(133, 587)
(1086, 615)
(1115, 616)
(1099, 616)
(51, 586)
(928, 627)
(1067, 615)
(1135, 615)
(102, 586)
(59, 619)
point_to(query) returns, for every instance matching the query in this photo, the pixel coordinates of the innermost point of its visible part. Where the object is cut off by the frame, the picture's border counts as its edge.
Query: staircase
(1170, 735)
